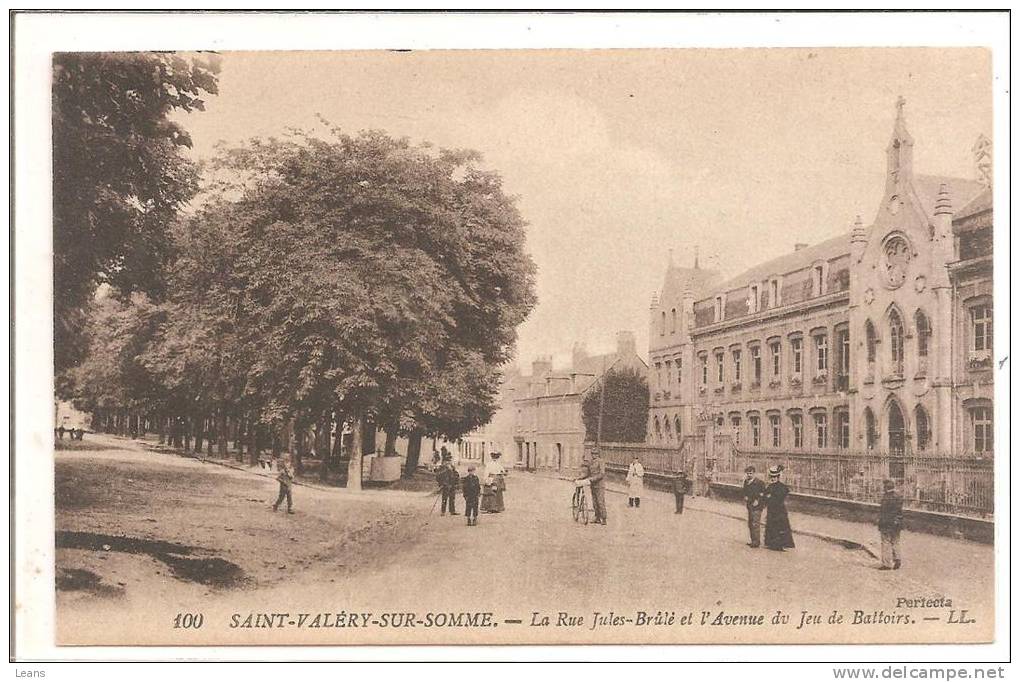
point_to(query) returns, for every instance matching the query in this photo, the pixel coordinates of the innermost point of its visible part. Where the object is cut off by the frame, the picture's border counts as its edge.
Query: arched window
(895, 343)
(870, 429)
(658, 429)
(923, 326)
(662, 324)
(672, 321)
(922, 428)
(923, 333)
(676, 425)
(668, 429)
(869, 339)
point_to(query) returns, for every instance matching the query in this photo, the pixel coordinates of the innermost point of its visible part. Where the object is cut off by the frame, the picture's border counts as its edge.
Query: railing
(655, 459)
(960, 484)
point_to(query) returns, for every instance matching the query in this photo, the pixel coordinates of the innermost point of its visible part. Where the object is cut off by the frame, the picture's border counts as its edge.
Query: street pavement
(531, 559)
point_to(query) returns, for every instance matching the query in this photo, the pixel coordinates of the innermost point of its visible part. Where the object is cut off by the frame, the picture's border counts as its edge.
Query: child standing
(471, 488)
(286, 479)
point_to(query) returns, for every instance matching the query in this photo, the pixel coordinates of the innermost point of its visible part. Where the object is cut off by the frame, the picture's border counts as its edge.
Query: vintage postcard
(549, 346)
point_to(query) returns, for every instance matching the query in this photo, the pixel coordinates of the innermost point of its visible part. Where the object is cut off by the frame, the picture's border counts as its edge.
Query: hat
(776, 470)
(888, 484)
(749, 470)
(471, 467)
(496, 455)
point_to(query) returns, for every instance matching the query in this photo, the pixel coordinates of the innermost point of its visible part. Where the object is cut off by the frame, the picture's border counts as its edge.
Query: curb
(843, 542)
(218, 462)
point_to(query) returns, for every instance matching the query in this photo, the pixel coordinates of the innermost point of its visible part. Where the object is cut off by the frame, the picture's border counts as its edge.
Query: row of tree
(315, 281)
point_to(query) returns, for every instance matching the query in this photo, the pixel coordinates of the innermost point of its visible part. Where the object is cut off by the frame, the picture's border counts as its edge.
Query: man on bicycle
(593, 472)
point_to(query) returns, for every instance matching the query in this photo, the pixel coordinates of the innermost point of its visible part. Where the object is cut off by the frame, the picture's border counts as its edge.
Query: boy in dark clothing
(890, 523)
(680, 487)
(447, 478)
(471, 487)
(286, 479)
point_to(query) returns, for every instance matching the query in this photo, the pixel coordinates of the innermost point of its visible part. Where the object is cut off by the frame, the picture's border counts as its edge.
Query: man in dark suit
(681, 484)
(447, 478)
(754, 494)
(890, 523)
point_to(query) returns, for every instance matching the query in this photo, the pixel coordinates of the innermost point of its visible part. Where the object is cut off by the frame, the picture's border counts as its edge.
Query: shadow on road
(212, 571)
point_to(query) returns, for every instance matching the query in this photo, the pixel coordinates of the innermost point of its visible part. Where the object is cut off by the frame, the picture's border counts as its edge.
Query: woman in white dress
(495, 484)
(635, 483)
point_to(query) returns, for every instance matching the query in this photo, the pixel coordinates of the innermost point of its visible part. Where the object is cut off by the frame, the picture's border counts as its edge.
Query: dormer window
(720, 308)
(753, 299)
(819, 271)
(774, 293)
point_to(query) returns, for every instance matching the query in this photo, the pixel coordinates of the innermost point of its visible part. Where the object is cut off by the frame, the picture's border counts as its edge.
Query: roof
(696, 280)
(961, 190)
(789, 262)
(979, 204)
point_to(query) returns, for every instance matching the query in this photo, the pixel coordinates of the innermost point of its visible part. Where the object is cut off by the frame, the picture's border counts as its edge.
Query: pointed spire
(982, 151)
(900, 133)
(943, 205)
(655, 299)
(858, 234)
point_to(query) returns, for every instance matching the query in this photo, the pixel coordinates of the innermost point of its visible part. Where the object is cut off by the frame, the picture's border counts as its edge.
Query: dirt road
(383, 554)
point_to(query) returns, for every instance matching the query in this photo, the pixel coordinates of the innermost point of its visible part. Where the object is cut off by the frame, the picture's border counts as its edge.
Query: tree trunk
(299, 447)
(210, 427)
(221, 432)
(389, 447)
(322, 447)
(413, 454)
(162, 430)
(253, 442)
(354, 466)
(199, 426)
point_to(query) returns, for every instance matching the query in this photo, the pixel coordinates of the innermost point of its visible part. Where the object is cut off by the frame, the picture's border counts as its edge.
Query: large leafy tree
(118, 175)
(372, 277)
(624, 407)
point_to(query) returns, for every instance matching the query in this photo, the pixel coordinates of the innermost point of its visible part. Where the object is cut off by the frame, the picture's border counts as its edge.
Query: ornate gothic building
(879, 339)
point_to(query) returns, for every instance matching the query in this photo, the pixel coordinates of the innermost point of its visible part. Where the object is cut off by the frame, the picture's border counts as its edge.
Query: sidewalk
(849, 534)
(151, 446)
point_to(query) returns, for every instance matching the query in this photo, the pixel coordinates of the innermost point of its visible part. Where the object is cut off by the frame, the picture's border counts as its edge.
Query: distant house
(548, 428)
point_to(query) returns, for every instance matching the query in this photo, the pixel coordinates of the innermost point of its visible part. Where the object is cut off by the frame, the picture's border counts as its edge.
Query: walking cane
(434, 504)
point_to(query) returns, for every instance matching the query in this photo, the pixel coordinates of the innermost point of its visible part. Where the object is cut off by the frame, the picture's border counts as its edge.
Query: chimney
(579, 354)
(625, 343)
(799, 246)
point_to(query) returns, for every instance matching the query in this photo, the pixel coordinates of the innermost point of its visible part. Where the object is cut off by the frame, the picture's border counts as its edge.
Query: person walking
(635, 482)
(495, 484)
(890, 523)
(778, 534)
(594, 473)
(471, 489)
(447, 478)
(286, 479)
(681, 486)
(754, 498)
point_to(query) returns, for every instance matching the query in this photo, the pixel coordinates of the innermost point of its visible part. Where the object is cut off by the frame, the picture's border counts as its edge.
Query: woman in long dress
(635, 483)
(495, 484)
(778, 535)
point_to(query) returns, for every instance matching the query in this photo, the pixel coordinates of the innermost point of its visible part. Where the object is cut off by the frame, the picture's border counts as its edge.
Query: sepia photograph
(523, 346)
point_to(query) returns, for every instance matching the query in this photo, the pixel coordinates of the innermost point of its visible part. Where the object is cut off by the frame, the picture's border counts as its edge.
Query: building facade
(877, 340)
(548, 427)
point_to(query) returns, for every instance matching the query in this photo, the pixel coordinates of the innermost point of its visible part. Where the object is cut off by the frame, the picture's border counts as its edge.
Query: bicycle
(579, 506)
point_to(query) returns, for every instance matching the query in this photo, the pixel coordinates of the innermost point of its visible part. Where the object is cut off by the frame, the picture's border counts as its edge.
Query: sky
(622, 159)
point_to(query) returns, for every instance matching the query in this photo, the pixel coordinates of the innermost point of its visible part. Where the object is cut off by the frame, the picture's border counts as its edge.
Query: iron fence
(655, 459)
(959, 484)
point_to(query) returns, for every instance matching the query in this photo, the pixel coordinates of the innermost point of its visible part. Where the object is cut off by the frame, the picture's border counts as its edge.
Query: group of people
(73, 433)
(771, 499)
(489, 494)
(759, 497)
